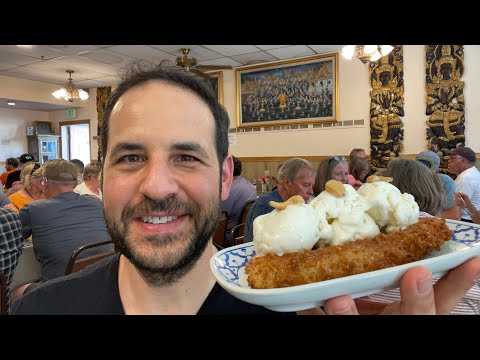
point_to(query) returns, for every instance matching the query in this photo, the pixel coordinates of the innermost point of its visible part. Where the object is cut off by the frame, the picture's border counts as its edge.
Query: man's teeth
(157, 220)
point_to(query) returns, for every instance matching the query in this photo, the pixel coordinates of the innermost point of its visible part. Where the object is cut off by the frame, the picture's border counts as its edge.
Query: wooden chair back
(236, 232)
(219, 234)
(3, 294)
(239, 240)
(245, 210)
(75, 264)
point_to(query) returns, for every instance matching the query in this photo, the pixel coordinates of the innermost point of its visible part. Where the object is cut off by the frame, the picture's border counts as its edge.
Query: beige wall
(13, 131)
(354, 105)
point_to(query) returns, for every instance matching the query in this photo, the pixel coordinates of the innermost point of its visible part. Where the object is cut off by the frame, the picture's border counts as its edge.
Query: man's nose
(159, 180)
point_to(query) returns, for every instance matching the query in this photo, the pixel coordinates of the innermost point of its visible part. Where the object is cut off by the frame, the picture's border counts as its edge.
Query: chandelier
(366, 53)
(69, 92)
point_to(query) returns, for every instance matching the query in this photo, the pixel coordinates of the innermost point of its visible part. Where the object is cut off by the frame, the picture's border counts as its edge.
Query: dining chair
(75, 264)
(219, 234)
(236, 232)
(245, 210)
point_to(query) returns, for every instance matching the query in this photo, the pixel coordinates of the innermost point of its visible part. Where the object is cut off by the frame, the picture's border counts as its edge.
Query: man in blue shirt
(296, 177)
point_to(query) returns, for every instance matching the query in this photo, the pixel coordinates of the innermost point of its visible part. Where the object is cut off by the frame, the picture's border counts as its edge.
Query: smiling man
(165, 171)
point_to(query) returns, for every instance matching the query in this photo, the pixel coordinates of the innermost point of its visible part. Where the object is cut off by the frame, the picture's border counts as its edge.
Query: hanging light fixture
(69, 92)
(366, 53)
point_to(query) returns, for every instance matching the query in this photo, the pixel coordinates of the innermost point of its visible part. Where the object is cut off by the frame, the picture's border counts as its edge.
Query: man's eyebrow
(191, 146)
(121, 147)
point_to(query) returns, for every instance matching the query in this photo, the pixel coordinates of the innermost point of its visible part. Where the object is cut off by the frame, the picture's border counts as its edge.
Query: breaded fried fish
(354, 257)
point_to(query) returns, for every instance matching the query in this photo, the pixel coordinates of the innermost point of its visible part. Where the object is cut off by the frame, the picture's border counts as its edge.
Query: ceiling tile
(35, 51)
(269, 47)
(17, 59)
(198, 52)
(108, 57)
(291, 52)
(230, 50)
(254, 57)
(221, 61)
(72, 49)
(322, 49)
(83, 62)
(143, 52)
(6, 65)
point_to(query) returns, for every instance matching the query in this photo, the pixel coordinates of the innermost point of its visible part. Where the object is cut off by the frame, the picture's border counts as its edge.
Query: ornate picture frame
(216, 80)
(296, 91)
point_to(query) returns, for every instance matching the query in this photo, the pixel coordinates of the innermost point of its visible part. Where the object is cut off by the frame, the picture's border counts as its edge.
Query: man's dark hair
(79, 163)
(237, 166)
(138, 75)
(12, 161)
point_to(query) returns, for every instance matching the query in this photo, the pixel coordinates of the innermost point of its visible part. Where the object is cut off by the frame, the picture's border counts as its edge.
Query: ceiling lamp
(69, 92)
(366, 53)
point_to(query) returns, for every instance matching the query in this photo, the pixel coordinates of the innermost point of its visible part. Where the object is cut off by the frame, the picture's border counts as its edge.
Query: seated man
(11, 165)
(240, 192)
(11, 241)
(296, 177)
(14, 176)
(462, 163)
(63, 221)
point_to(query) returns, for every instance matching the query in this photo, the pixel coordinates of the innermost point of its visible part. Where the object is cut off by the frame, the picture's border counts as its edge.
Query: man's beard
(156, 268)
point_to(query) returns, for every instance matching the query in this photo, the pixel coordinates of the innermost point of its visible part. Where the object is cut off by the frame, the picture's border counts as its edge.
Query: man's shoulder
(445, 179)
(266, 198)
(91, 291)
(8, 215)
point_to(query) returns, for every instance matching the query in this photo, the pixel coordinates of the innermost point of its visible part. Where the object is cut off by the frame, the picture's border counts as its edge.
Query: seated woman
(332, 167)
(358, 170)
(30, 177)
(91, 181)
(415, 178)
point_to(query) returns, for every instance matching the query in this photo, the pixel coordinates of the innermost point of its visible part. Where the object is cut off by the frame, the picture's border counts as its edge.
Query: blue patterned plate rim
(228, 268)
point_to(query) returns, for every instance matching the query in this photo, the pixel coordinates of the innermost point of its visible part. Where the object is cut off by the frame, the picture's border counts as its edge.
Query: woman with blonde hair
(30, 177)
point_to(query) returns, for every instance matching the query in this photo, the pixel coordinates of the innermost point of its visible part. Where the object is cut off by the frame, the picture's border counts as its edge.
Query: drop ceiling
(100, 65)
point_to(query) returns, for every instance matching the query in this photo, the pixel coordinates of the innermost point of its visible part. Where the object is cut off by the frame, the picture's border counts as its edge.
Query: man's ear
(227, 176)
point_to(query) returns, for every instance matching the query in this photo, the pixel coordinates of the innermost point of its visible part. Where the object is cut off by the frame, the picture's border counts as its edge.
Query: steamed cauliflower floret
(390, 209)
(347, 217)
(289, 230)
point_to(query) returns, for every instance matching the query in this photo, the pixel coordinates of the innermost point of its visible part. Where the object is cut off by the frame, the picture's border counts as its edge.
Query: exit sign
(71, 113)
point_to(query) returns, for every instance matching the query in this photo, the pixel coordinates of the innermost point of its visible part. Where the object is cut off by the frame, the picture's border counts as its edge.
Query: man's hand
(418, 295)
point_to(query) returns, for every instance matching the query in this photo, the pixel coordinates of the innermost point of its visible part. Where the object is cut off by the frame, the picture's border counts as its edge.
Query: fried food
(354, 257)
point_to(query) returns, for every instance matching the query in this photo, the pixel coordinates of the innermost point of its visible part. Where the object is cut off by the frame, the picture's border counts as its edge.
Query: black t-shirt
(94, 291)
(11, 178)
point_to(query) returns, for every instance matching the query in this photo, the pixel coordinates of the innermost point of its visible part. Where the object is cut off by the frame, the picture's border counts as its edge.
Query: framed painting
(295, 91)
(43, 127)
(216, 80)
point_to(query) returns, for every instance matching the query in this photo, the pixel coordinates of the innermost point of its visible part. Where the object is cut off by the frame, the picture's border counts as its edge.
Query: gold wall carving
(445, 99)
(386, 108)
(103, 93)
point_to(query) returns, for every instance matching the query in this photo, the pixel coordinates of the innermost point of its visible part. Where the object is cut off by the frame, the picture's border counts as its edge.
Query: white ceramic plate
(228, 267)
